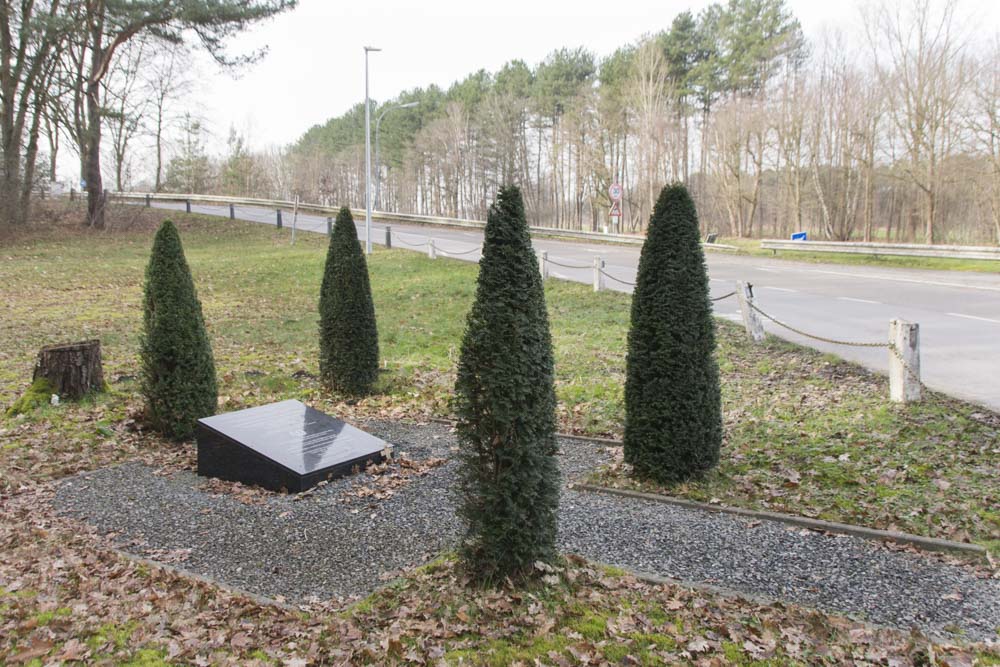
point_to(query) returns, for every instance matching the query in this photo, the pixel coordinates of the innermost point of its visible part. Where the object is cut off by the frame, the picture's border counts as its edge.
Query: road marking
(780, 289)
(768, 269)
(937, 283)
(973, 317)
(851, 298)
(556, 274)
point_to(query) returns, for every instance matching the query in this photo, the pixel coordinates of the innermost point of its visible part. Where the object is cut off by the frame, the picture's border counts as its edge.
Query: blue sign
(800, 236)
(83, 183)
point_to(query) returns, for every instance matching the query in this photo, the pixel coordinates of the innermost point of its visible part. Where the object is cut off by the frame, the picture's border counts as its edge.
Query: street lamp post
(368, 159)
(378, 164)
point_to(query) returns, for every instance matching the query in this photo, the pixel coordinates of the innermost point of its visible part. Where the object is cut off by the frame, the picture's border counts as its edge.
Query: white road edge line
(937, 283)
(973, 317)
(779, 289)
(851, 298)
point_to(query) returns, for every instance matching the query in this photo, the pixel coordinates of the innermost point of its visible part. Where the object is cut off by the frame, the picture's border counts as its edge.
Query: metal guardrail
(896, 249)
(385, 216)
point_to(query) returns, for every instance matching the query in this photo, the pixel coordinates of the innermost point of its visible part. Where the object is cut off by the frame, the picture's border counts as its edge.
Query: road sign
(615, 192)
(800, 236)
(616, 209)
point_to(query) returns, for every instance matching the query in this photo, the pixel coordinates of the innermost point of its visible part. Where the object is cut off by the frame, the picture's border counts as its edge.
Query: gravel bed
(331, 543)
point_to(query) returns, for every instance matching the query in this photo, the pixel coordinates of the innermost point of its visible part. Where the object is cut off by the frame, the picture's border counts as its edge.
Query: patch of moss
(46, 617)
(147, 658)
(501, 653)
(591, 625)
(38, 394)
(118, 635)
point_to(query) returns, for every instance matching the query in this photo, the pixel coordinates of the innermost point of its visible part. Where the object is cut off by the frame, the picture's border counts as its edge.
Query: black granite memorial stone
(282, 446)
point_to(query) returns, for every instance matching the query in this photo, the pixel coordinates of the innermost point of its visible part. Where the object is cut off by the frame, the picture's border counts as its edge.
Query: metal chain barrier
(887, 345)
(618, 280)
(815, 337)
(566, 266)
(412, 245)
(451, 252)
(724, 296)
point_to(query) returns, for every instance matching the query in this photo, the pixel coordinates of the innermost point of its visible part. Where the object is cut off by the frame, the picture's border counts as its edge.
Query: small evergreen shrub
(348, 335)
(673, 414)
(505, 402)
(178, 372)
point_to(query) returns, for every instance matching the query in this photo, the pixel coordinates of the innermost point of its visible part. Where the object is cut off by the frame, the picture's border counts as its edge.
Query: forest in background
(890, 134)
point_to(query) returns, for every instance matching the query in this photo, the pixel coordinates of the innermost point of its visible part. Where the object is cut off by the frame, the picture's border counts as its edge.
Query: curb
(874, 534)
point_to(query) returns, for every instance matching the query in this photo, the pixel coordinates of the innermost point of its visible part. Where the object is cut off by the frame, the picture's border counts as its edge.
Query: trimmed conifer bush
(505, 402)
(348, 336)
(673, 414)
(178, 372)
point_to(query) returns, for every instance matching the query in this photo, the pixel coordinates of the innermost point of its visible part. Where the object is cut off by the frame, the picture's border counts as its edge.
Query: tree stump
(74, 369)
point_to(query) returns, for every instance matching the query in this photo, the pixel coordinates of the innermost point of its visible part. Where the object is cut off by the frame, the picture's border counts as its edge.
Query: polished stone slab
(282, 446)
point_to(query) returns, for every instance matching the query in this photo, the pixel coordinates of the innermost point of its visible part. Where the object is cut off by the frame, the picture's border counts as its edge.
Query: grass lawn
(805, 433)
(752, 247)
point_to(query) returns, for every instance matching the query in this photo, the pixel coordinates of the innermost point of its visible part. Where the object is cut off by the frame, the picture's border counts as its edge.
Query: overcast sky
(314, 68)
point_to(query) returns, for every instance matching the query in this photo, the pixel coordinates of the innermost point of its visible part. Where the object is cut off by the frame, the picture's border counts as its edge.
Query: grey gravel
(333, 544)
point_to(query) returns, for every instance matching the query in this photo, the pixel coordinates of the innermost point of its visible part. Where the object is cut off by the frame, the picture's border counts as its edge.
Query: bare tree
(984, 123)
(168, 78)
(921, 64)
(31, 39)
(125, 105)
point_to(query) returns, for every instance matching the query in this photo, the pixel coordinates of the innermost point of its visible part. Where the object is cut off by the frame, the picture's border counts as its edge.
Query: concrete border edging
(761, 599)
(926, 543)
(262, 600)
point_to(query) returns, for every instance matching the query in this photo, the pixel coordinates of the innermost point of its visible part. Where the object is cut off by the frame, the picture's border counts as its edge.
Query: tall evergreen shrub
(348, 335)
(673, 414)
(178, 372)
(505, 402)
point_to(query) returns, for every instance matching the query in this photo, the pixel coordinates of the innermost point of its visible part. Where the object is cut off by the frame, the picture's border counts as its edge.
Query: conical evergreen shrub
(348, 336)
(673, 414)
(505, 403)
(178, 373)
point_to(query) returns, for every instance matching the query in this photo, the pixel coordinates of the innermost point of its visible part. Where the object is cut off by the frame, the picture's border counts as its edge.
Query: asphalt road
(958, 312)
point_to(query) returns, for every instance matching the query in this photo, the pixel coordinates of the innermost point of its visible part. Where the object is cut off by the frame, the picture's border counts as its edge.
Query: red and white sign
(616, 209)
(615, 192)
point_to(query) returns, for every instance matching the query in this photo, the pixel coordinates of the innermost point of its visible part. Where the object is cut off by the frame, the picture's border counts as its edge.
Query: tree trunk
(74, 369)
(95, 185)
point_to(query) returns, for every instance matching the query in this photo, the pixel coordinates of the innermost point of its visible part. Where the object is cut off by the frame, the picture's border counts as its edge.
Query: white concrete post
(431, 250)
(598, 278)
(751, 320)
(904, 361)
(543, 263)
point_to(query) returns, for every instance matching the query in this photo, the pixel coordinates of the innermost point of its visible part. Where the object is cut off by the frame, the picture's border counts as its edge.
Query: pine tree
(178, 373)
(505, 402)
(673, 415)
(348, 335)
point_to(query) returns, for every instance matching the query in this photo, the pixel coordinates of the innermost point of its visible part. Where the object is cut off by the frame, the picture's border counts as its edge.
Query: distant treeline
(894, 134)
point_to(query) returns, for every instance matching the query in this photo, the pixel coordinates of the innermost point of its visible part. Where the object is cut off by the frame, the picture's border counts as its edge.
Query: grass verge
(752, 247)
(806, 433)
